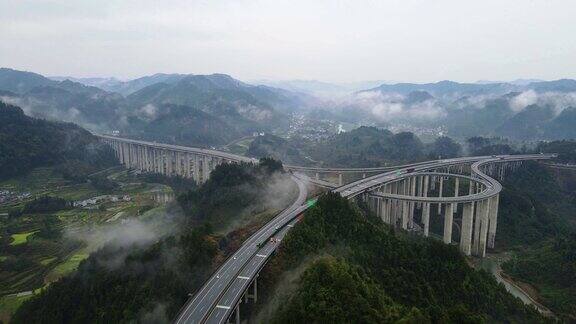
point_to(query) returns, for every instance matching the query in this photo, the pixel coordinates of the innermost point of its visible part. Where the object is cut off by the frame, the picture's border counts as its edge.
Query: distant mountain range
(187, 109)
(319, 88)
(538, 110)
(210, 110)
(450, 87)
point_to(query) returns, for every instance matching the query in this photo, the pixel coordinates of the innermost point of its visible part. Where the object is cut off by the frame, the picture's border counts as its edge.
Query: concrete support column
(181, 161)
(127, 154)
(153, 160)
(176, 165)
(477, 221)
(484, 228)
(426, 217)
(162, 161)
(133, 156)
(382, 210)
(421, 186)
(412, 204)
(466, 233)
(138, 150)
(141, 157)
(159, 161)
(187, 165)
(392, 212)
(255, 289)
(493, 220)
(196, 175)
(206, 168)
(456, 193)
(171, 163)
(146, 160)
(340, 180)
(448, 219)
(405, 214)
(441, 186)
(120, 152)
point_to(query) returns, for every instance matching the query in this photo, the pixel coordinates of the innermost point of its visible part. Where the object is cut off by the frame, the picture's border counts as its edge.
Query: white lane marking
(257, 236)
(223, 307)
(242, 277)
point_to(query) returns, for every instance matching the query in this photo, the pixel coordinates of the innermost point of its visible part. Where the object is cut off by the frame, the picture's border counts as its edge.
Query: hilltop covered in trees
(366, 273)
(26, 143)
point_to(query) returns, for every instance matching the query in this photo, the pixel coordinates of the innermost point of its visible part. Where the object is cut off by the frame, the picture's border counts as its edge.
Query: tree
(445, 147)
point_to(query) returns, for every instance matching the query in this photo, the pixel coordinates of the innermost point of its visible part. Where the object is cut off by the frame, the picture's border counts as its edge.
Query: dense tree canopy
(26, 143)
(444, 148)
(407, 278)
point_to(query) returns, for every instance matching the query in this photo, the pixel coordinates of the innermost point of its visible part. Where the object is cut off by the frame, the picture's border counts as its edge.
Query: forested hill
(26, 143)
(371, 147)
(351, 267)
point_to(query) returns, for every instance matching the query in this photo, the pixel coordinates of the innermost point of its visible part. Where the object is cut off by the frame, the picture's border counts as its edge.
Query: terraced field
(39, 248)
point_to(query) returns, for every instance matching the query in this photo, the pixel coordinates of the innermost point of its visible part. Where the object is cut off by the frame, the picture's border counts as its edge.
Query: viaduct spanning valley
(406, 197)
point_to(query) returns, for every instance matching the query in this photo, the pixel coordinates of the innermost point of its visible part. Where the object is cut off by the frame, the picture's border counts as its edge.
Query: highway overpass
(401, 197)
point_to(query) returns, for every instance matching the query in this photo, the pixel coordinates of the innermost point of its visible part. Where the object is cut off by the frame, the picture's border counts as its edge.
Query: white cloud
(523, 100)
(391, 107)
(557, 100)
(148, 111)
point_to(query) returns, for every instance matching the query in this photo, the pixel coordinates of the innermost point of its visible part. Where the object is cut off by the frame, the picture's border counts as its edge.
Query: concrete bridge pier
(412, 204)
(419, 186)
(405, 215)
(476, 236)
(196, 173)
(493, 219)
(456, 193)
(425, 189)
(440, 186)
(466, 233)
(187, 164)
(448, 220)
(484, 227)
(426, 218)
(206, 161)
(340, 180)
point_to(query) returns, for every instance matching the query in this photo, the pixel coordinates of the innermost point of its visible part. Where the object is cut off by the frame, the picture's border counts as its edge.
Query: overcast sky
(338, 41)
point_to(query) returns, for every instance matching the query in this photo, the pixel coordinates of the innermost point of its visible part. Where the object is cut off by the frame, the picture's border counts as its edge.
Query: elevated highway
(400, 197)
(221, 293)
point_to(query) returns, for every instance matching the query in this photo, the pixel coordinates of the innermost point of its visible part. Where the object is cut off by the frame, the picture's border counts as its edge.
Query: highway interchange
(216, 300)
